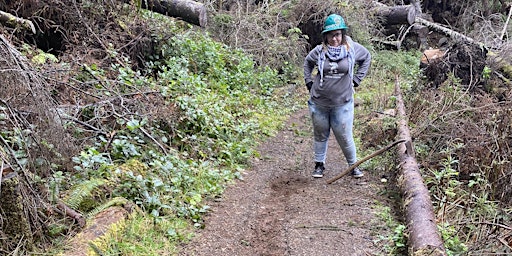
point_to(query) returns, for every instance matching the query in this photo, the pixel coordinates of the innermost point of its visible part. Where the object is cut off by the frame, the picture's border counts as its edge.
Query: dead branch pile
(33, 134)
(30, 111)
(104, 31)
(99, 34)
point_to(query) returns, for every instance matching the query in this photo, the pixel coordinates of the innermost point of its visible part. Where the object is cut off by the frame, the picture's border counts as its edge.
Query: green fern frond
(81, 192)
(113, 202)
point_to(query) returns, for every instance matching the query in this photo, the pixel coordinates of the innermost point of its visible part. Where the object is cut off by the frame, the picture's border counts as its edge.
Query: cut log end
(396, 15)
(186, 10)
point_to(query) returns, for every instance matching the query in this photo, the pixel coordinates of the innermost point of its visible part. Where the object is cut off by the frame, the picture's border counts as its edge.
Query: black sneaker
(319, 170)
(357, 173)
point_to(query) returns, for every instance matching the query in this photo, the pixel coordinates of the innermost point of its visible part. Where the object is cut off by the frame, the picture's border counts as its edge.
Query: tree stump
(15, 224)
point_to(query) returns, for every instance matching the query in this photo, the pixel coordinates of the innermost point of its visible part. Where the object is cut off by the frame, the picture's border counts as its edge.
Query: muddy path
(279, 209)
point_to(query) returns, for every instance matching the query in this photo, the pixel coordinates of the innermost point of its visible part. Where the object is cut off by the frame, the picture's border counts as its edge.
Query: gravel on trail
(279, 209)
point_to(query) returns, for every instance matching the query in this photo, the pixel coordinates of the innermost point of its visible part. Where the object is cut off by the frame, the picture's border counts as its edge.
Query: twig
(80, 90)
(11, 151)
(154, 140)
(503, 78)
(504, 242)
(1, 175)
(506, 23)
(98, 130)
(94, 34)
(378, 152)
(89, 70)
(147, 134)
(322, 227)
(494, 224)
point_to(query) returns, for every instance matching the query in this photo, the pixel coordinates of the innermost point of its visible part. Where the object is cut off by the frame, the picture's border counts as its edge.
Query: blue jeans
(340, 119)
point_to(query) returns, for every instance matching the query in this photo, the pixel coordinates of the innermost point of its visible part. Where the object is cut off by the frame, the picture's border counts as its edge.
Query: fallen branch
(395, 44)
(71, 213)
(376, 153)
(13, 21)
(503, 78)
(97, 130)
(503, 63)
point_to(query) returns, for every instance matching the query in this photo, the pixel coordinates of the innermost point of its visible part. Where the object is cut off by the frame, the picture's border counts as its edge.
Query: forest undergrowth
(114, 105)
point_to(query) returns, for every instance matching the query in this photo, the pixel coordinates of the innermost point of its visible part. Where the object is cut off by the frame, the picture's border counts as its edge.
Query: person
(331, 89)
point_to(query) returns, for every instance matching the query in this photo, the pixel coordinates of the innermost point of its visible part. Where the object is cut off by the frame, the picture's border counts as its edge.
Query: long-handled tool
(378, 152)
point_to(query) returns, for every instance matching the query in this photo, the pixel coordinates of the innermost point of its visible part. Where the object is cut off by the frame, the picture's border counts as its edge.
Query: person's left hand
(309, 85)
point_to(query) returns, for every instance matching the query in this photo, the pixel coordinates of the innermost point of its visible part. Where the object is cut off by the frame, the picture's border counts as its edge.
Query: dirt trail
(278, 209)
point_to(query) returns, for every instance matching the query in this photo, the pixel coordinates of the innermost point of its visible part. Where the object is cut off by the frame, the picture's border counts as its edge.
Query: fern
(113, 202)
(81, 192)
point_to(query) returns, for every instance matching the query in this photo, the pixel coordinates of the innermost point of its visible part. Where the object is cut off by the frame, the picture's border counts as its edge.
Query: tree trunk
(189, 11)
(421, 33)
(395, 15)
(13, 21)
(424, 238)
(15, 224)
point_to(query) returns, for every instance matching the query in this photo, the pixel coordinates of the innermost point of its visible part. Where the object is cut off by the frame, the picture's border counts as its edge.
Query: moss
(16, 225)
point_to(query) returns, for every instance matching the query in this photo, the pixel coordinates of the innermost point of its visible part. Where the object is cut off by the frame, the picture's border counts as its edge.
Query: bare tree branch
(506, 23)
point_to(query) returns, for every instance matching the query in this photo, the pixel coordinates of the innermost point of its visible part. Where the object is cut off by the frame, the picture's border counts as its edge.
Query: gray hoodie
(337, 87)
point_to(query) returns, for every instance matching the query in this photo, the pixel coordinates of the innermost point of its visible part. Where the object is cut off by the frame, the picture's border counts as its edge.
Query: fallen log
(452, 33)
(13, 21)
(98, 226)
(395, 15)
(424, 237)
(189, 11)
(400, 15)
